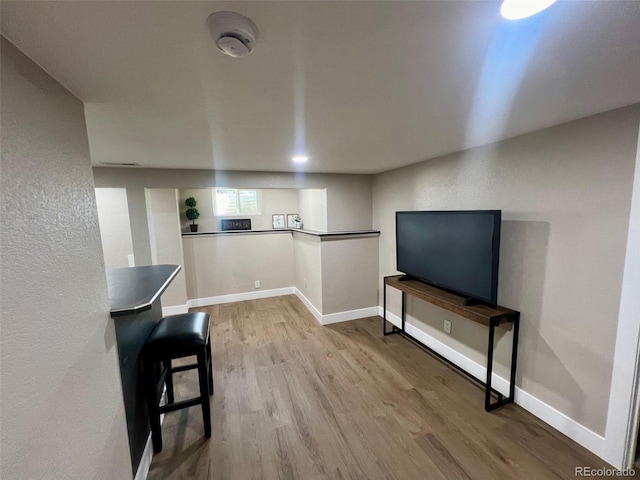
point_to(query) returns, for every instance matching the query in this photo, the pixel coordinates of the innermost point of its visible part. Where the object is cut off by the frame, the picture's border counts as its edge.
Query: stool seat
(173, 337)
(177, 336)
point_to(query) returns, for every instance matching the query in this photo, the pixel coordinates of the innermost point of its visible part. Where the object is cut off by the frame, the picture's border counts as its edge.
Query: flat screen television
(456, 250)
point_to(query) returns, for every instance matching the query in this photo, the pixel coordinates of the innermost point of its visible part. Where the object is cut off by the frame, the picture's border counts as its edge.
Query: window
(233, 201)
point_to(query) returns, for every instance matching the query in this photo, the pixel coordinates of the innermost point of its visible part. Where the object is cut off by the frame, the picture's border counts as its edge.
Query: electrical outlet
(257, 283)
(447, 327)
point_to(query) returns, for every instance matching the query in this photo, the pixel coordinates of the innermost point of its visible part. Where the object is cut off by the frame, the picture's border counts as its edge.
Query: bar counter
(135, 307)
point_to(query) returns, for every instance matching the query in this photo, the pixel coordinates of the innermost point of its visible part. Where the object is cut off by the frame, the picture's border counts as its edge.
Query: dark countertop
(339, 235)
(323, 235)
(134, 289)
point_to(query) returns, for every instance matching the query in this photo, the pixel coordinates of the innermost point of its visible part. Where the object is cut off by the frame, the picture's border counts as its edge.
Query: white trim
(338, 317)
(548, 414)
(276, 292)
(145, 461)
(310, 306)
(622, 415)
(561, 422)
(239, 297)
(147, 453)
(175, 310)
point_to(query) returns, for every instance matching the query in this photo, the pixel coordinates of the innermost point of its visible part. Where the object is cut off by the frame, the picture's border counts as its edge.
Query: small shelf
(450, 301)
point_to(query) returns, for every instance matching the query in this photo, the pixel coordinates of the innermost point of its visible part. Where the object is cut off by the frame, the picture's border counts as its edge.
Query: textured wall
(313, 208)
(349, 274)
(307, 252)
(227, 264)
(565, 194)
(62, 410)
(115, 230)
(166, 240)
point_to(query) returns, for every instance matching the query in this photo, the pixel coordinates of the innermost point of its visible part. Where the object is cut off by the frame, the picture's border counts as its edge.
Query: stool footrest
(182, 368)
(178, 405)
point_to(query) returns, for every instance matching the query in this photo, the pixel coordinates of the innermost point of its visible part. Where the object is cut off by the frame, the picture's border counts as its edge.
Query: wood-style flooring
(295, 400)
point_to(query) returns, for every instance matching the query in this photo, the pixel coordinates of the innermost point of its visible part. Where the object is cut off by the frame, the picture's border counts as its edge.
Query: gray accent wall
(62, 409)
(565, 194)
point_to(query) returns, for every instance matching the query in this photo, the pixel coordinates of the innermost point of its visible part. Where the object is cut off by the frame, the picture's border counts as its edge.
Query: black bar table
(135, 307)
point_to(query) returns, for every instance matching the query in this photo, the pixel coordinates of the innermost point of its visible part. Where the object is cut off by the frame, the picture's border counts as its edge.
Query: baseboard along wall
(325, 319)
(175, 310)
(239, 297)
(558, 420)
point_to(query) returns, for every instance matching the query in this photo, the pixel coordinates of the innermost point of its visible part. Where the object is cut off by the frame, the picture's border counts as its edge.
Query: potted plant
(192, 213)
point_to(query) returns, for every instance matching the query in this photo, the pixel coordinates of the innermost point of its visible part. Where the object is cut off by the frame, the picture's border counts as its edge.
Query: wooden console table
(483, 314)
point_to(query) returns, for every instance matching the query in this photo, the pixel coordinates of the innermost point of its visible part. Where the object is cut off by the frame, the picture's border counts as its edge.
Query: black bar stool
(174, 337)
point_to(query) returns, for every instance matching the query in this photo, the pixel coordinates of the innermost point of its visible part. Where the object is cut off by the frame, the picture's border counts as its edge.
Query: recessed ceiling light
(517, 9)
(300, 158)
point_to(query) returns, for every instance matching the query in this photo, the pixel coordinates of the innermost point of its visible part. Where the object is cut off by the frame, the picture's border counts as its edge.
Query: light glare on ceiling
(300, 158)
(517, 9)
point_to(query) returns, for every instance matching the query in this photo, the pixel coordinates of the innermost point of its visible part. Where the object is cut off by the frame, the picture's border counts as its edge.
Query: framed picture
(277, 220)
(293, 220)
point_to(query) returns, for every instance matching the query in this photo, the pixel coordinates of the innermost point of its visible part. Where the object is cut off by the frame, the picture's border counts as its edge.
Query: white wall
(228, 264)
(166, 241)
(565, 193)
(274, 201)
(62, 409)
(313, 208)
(115, 230)
(308, 280)
(348, 196)
(622, 420)
(349, 205)
(349, 274)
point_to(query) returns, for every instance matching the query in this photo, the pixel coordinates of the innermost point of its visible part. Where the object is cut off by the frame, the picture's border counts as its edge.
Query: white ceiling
(363, 87)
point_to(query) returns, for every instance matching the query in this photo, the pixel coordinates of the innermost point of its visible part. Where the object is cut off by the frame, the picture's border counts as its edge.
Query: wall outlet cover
(447, 327)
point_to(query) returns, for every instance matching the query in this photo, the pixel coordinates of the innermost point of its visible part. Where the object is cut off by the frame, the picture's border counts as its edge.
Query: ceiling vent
(234, 34)
(120, 164)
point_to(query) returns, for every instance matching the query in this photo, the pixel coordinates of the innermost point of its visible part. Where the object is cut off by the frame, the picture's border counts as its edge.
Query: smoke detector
(234, 34)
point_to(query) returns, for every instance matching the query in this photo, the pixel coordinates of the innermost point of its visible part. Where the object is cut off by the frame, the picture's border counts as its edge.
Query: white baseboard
(145, 461)
(276, 292)
(310, 306)
(239, 297)
(545, 412)
(349, 315)
(337, 317)
(147, 453)
(175, 310)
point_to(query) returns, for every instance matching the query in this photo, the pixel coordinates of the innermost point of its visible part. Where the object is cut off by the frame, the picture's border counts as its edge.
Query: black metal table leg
(487, 392)
(384, 306)
(394, 329)
(514, 356)
(488, 406)
(404, 308)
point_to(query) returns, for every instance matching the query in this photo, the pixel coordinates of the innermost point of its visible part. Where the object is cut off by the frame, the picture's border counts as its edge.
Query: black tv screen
(456, 250)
